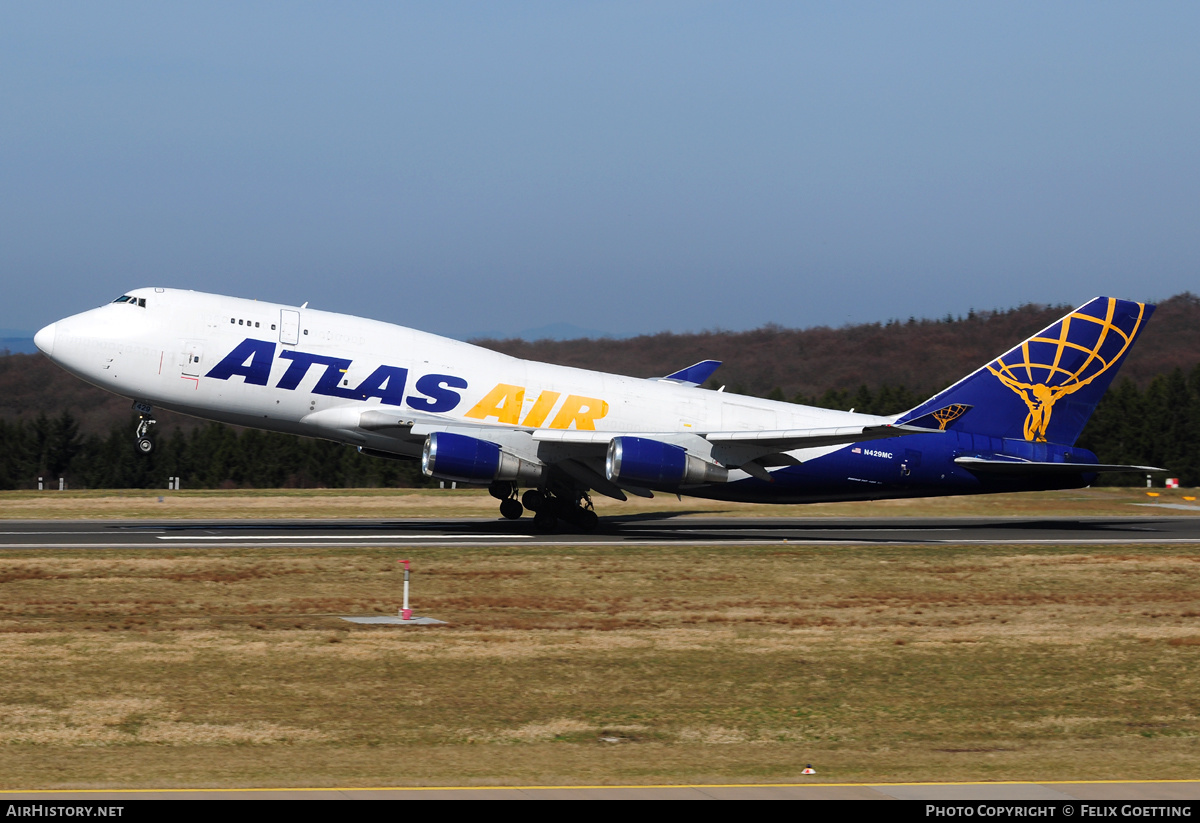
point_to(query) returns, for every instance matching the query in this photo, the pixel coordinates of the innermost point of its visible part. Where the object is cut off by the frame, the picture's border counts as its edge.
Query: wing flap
(590, 477)
(573, 436)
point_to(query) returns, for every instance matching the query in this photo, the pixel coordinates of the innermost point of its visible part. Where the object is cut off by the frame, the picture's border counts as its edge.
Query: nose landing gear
(144, 444)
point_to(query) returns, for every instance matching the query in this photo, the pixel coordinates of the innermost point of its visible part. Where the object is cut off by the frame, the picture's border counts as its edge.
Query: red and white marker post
(405, 611)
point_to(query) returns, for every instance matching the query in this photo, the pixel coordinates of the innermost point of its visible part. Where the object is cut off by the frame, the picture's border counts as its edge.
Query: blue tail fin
(1045, 389)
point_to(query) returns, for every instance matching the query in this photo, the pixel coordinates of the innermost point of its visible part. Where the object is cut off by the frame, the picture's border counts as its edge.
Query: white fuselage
(314, 373)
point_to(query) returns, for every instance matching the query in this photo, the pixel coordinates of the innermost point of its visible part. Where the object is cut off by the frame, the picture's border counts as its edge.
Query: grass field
(643, 664)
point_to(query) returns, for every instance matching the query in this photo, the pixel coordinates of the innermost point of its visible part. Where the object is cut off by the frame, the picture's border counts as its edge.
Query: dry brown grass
(614, 664)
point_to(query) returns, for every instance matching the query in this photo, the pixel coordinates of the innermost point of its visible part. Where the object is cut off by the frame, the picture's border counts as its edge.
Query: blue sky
(628, 167)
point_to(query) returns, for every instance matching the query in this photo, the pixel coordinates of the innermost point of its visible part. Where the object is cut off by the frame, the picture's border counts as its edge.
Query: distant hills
(16, 341)
(921, 355)
(552, 331)
(17, 345)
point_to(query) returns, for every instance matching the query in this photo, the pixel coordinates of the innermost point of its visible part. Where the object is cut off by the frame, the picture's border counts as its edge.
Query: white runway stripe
(240, 537)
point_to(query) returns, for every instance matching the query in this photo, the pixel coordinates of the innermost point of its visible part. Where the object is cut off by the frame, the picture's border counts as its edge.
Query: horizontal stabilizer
(694, 375)
(941, 418)
(984, 465)
(790, 439)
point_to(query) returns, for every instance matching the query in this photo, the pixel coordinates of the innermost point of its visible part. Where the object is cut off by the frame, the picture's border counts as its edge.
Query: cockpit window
(130, 299)
(124, 298)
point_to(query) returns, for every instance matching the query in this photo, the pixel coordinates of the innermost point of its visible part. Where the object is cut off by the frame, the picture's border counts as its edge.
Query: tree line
(210, 456)
(1158, 426)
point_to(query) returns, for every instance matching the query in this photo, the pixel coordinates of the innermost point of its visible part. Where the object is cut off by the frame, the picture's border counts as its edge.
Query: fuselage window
(239, 322)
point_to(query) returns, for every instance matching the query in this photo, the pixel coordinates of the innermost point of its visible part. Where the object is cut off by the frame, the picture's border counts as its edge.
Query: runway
(633, 530)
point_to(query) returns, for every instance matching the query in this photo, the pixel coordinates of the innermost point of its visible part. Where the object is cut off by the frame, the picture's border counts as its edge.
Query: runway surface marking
(633, 531)
(854, 529)
(240, 537)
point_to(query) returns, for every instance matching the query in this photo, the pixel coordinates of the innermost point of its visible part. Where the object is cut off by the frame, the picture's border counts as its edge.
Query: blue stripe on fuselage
(918, 465)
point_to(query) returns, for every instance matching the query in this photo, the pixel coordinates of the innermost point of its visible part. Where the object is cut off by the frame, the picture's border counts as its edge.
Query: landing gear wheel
(501, 490)
(545, 521)
(144, 444)
(533, 500)
(587, 520)
(511, 509)
(582, 516)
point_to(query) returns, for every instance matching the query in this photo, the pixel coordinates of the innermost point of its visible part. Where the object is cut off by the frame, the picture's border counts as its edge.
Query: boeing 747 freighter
(475, 416)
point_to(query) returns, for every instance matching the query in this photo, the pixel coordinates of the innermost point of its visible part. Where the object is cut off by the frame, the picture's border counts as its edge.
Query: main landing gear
(548, 507)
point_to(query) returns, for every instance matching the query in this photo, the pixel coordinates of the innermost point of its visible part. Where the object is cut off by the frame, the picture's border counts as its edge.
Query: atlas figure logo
(252, 360)
(1065, 358)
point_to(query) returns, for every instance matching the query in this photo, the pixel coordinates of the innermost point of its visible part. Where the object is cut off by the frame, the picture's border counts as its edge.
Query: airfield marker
(405, 611)
(405, 618)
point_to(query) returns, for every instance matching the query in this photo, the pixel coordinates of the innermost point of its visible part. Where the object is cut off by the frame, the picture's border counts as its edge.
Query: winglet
(696, 374)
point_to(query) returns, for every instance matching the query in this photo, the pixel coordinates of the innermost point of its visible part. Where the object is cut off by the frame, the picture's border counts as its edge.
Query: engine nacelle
(645, 462)
(466, 459)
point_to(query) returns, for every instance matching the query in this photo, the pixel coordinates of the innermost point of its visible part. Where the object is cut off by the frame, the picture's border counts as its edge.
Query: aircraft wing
(791, 439)
(777, 440)
(581, 454)
(412, 425)
(1014, 466)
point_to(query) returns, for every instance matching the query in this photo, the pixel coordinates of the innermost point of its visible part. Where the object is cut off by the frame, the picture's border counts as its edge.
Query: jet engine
(652, 463)
(466, 459)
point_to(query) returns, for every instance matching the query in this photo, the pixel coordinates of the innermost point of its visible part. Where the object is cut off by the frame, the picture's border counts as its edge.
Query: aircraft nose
(44, 340)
